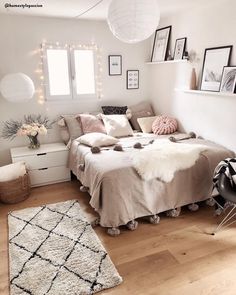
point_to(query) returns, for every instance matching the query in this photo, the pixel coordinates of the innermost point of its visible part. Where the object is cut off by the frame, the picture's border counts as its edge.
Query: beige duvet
(119, 194)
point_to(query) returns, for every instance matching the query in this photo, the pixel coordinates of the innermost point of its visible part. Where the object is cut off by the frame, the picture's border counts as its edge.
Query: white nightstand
(46, 165)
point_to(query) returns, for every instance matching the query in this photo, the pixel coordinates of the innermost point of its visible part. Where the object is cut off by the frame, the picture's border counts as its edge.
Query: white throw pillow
(146, 123)
(12, 171)
(97, 139)
(117, 125)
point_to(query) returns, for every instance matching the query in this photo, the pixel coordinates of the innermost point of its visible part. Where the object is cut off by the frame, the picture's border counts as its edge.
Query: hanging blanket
(228, 167)
(163, 158)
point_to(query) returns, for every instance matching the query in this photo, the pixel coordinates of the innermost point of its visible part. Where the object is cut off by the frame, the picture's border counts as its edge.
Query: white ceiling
(73, 8)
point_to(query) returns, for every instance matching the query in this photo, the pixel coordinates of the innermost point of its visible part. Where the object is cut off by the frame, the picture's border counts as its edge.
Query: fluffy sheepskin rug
(53, 250)
(163, 158)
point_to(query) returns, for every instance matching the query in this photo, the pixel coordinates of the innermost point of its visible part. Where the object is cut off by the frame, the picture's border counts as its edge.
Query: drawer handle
(42, 154)
(43, 168)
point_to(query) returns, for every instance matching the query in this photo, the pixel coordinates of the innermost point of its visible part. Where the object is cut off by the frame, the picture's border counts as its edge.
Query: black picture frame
(180, 46)
(228, 81)
(115, 65)
(161, 43)
(218, 58)
(132, 79)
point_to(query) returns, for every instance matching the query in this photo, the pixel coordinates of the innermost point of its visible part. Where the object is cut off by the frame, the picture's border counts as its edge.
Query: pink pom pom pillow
(164, 125)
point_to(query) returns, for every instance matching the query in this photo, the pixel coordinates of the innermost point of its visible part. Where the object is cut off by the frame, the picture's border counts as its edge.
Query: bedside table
(45, 165)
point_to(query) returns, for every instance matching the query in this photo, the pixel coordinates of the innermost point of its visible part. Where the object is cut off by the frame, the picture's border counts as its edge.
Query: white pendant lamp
(17, 87)
(132, 21)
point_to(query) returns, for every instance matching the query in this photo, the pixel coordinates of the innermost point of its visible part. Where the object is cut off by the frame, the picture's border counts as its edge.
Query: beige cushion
(73, 126)
(146, 123)
(12, 171)
(97, 139)
(140, 110)
(117, 125)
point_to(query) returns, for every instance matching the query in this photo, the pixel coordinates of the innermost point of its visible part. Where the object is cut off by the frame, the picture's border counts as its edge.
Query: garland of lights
(57, 45)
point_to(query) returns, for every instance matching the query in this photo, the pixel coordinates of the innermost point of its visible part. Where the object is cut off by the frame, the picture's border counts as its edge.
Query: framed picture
(215, 59)
(132, 79)
(228, 80)
(180, 45)
(161, 44)
(115, 65)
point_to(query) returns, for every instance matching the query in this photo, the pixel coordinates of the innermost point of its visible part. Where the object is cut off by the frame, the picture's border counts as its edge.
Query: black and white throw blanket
(228, 167)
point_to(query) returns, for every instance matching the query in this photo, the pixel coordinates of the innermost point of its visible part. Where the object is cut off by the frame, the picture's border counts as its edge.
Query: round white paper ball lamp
(132, 21)
(17, 87)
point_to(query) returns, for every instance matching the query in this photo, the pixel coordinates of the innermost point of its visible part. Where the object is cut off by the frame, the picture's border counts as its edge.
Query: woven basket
(16, 190)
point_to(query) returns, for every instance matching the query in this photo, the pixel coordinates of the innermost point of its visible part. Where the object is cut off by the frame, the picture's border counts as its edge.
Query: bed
(120, 195)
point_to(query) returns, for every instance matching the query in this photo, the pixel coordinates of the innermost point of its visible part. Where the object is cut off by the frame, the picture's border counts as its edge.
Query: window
(69, 73)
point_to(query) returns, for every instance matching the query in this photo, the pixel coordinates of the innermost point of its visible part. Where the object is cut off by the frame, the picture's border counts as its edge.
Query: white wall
(212, 117)
(20, 36)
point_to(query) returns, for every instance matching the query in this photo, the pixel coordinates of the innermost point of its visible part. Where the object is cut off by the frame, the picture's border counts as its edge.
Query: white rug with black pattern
(53, 250)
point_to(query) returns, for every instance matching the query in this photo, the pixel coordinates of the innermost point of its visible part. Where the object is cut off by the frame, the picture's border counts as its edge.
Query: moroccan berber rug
(53, 250)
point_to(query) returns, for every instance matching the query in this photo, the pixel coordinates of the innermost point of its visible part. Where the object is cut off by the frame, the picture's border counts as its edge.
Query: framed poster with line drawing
(161, 44)
(215, 59)
(180, 45)
(228, 81)
(132, 79)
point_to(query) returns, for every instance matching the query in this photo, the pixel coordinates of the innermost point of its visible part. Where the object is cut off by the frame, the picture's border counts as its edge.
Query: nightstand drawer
(49, 175)
(44, 160)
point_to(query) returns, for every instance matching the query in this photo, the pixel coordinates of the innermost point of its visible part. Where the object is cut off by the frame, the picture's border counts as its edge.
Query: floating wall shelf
(167, 62)
(212, 93)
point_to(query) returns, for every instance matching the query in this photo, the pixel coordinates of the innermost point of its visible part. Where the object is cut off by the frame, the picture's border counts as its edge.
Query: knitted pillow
(164, 125)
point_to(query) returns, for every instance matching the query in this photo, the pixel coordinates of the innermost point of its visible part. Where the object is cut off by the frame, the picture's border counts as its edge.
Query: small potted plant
(31, 126)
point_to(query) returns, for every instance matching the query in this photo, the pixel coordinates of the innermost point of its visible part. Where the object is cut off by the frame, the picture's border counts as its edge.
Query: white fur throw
(163, 158)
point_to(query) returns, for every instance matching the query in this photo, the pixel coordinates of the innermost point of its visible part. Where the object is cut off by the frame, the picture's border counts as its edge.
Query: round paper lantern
(132, 21)
(17, 87)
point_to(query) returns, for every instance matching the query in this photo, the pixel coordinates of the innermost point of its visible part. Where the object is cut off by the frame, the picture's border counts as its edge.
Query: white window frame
(73, 76)
(71, 71)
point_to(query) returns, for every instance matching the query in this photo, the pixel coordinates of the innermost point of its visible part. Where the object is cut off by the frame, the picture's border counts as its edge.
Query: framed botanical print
(215, 59)
(228, 81)
(132, 79)
(180, 45)
(161, 44)
(115, 65)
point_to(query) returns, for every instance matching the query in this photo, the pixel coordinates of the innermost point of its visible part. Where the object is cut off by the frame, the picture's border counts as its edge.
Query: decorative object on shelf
(193, 80)
(115, 65)
(215, 59)
(17, 87)
(31, 126)
(161, 44)
(186, 55)
(132, 79)
(169, 57)
(228, 81)
(180, 45)
(133, 21)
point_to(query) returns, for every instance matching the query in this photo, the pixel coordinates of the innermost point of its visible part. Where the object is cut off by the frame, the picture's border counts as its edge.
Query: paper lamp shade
(17, 87)
(132, 21)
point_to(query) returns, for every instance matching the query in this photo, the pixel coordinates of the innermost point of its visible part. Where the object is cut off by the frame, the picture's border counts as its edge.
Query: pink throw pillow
(90, 123)
(164, 125)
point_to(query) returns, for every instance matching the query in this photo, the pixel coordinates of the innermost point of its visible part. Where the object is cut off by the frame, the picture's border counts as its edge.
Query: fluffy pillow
(146, 123)
(12, 171)
(164, 125)
(117, 125)
(97, 139)
(114, 110)
(73, 126)
(143, 109)
(91, 123)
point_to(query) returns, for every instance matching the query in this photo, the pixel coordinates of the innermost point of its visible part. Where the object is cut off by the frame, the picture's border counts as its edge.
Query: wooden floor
(178, 256)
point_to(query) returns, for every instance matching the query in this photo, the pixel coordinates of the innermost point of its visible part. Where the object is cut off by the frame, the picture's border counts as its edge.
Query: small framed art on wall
(115, 65)
(132, 79)
(180, 45)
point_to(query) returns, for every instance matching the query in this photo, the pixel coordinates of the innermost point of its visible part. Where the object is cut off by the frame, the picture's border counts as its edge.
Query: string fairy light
(42, 58)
